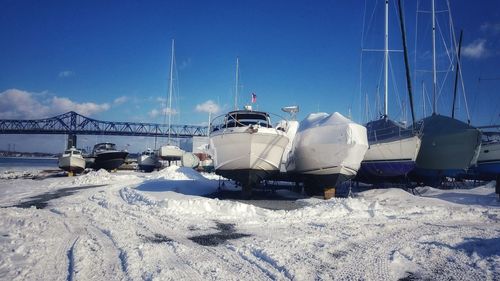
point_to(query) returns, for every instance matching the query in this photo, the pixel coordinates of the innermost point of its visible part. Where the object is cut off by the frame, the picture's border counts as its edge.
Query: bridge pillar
(71, 140)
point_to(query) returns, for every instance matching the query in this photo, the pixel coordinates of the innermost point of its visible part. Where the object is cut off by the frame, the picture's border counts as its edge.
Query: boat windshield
(242, 119)
(105, 146)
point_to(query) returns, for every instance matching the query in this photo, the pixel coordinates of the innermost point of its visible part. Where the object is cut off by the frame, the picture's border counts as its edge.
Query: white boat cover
(325, 141)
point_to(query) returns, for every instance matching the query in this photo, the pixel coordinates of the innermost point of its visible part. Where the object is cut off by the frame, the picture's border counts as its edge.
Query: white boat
(393, 148)
(246, 148)
(147, 161)
(392, 151)
(190, 160)
(169, 151)
(487, 166)
(72, 161)
(488, 162)
(290, 128)
(327, 150)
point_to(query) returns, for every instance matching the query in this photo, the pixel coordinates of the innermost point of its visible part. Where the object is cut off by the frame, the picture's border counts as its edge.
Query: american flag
(254, 98)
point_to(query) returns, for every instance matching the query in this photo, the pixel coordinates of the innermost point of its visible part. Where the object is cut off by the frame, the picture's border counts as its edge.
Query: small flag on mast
(254, 98)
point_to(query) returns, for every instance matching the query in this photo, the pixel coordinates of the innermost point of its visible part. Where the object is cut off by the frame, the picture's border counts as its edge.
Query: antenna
(292, 110)
(237, 82)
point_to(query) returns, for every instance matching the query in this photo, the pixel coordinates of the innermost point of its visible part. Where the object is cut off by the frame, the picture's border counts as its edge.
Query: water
(19, 163)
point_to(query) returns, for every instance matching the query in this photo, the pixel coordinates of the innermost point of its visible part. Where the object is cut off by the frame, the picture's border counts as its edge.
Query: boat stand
(329, 193)
(497, 187)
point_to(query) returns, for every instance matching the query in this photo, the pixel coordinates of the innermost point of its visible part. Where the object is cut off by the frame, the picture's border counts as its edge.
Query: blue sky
(110, 59)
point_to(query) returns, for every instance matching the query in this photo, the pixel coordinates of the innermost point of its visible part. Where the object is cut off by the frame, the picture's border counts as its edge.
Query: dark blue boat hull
(487, 170)
(380, 171)
(434, 177)
(109, 160)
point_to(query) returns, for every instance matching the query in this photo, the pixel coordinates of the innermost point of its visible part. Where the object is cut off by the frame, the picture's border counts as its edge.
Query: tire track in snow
(192, 260)
(93, 253)
(268, 266)
(71, 261)
(373, 250)
(101, 257)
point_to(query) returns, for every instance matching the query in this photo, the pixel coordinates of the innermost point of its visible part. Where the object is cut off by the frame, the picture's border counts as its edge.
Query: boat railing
(490, 137)
(390, 133)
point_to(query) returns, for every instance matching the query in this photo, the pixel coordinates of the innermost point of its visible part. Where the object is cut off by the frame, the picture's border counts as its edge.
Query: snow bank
(177, 173)
(482, 195)
(334, 208)
(212, 176)
(178, 179)
(9, 174)
(93, 177)
(104, 177)
(180, 204)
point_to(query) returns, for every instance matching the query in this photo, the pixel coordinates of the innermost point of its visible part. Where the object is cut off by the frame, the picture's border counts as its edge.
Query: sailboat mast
(386, 51)
(170, 90)
(237, 82)
(456, 74)
(407, 64)
(423, 98)
(434, 85)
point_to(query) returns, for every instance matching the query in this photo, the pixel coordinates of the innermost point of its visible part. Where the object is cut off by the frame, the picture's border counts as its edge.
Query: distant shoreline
(28, 157)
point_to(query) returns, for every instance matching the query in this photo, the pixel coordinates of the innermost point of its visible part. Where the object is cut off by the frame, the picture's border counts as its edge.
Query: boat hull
(449, 147)
(488, 167)
(72, 164)
(147, 163)
(109, 160)
(316, 184)
(488, 163)
(389, 160)
(246, 156)
(170, 153)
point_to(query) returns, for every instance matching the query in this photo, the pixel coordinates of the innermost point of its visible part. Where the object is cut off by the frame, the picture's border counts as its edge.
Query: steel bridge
(72, 124)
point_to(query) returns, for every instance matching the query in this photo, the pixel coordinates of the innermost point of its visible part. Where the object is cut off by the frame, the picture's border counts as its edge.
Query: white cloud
(66, 73)
(208, 107)
(168, 110)
(163, 111)
(154, 113)
(161, 100)
(120, 100)
(476, 49)
(488, 27)
(62, 105)
(16, 104)
(19, 104)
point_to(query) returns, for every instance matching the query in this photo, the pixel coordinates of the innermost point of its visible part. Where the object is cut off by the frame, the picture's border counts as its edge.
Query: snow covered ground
(136, 226)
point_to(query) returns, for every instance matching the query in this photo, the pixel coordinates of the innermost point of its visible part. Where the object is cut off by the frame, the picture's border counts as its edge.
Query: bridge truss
(72, 123)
